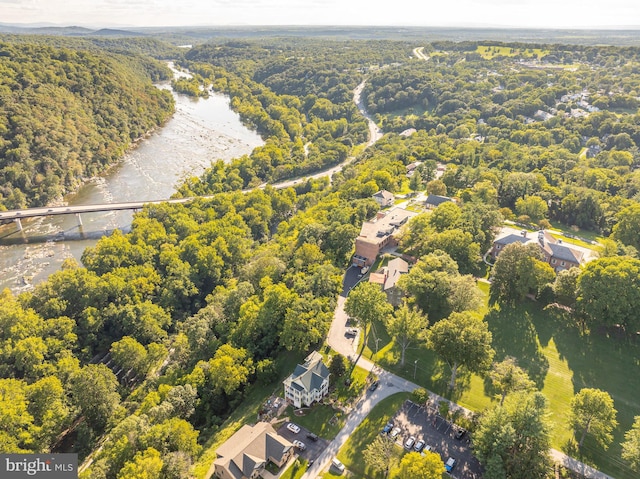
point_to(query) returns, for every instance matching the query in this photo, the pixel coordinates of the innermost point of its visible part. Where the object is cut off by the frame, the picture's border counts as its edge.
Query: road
(419, 53)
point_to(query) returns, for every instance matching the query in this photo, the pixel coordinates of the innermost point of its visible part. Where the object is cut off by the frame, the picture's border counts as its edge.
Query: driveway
(424, 423)
(313, 450)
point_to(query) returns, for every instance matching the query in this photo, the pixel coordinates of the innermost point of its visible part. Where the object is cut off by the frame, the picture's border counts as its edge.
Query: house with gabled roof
(556, 253)
(384, 198)
(433, 201)
(246, 454)
(308, 383)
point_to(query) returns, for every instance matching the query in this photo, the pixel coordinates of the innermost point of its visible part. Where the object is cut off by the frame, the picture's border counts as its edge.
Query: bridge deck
(68, 210)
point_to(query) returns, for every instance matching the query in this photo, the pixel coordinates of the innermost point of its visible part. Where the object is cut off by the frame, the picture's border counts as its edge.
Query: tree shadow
(515, 335)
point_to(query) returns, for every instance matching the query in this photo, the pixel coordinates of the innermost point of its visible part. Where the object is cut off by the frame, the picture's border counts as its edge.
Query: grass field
(557, 358)
(351, 452)
(490, 51)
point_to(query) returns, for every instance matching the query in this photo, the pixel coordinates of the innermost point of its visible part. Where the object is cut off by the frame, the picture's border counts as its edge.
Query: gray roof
(396, 268)
(509, 239)
(565, 253)
(437, 200)
(249, 448)
(310, 375)
(384, 194)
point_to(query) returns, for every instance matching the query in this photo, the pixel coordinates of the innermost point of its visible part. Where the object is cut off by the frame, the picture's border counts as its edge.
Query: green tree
(619, 276)
(565, 287)
(378, 453)
(631, 445)
(592, 412)
(367, 304)
(437, 187)
(445, 217)
(627, 229)
(130, 354)
(406, 326)
(94, 392)
(532, 206)
(338, 365)
(512, 439)
(146, 464)
(507, 377)
(518, 271)
(415, 466)
(462, 339)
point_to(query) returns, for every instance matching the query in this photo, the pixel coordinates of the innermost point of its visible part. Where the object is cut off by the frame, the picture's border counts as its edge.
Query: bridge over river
(18, 215)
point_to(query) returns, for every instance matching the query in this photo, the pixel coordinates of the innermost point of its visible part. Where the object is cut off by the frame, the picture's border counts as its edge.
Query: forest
(149, 345)
(68, 114)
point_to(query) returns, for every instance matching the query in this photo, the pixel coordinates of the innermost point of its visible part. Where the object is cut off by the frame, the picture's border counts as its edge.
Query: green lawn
(296, 471)
(351, 452)
(557, 358)
(317, 419)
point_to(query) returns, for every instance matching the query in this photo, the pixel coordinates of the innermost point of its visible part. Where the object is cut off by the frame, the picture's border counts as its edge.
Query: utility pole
(415, 369)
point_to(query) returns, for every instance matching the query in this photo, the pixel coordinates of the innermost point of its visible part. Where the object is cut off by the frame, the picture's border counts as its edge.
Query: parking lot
(314, 448)
(438, 433)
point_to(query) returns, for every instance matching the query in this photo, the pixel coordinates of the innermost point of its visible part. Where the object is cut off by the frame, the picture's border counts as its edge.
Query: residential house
(378, 234)
(556, 253)
(246, 454)
(384, 198)
(308, 383)
(433, 201)
(388, 278)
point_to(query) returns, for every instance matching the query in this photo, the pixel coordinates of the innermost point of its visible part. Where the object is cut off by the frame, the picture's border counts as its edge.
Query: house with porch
(308, 383)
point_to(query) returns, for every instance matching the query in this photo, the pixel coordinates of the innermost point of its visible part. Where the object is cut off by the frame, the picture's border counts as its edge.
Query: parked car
(374, 385)
(449, 465)
(460, 433)
(299, 445)
(387, 428)
(419, 445)
(394, 432)
(312, 436)
(409, 443)
(351, 332)
(337, 465)
(426, 449)
(293, 428)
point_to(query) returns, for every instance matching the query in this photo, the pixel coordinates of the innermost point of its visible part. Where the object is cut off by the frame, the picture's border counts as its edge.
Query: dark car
(460, 433)
(387, 428)
(312, 436)
(374, 385)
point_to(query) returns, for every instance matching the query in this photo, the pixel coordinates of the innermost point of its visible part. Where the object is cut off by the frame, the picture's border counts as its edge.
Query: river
(200, 131)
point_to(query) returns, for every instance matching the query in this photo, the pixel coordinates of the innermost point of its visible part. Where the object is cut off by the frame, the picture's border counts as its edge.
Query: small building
(246, 454)
(388, 277)
(378, 234)
(308, 383)
(384, 198)
(433, 201)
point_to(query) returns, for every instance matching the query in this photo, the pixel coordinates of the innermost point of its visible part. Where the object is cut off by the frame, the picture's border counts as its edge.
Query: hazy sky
(510, 13)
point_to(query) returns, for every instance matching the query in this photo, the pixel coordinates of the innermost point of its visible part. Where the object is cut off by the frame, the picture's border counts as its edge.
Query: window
(553, 261)
(562, 264)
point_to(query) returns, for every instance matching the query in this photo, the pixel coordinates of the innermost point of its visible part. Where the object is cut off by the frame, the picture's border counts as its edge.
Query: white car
(293, 428)
(394, 432)
(410, 442)
(299, 444)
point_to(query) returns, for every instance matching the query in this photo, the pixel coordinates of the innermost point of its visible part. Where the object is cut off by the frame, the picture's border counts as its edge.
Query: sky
(478, 13)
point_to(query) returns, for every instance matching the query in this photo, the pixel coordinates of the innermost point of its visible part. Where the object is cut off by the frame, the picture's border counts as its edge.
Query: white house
(308, 383)
(384, 198)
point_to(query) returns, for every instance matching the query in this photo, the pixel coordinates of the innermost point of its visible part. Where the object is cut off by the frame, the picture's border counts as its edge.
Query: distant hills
(65, 31)
(621, 36)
